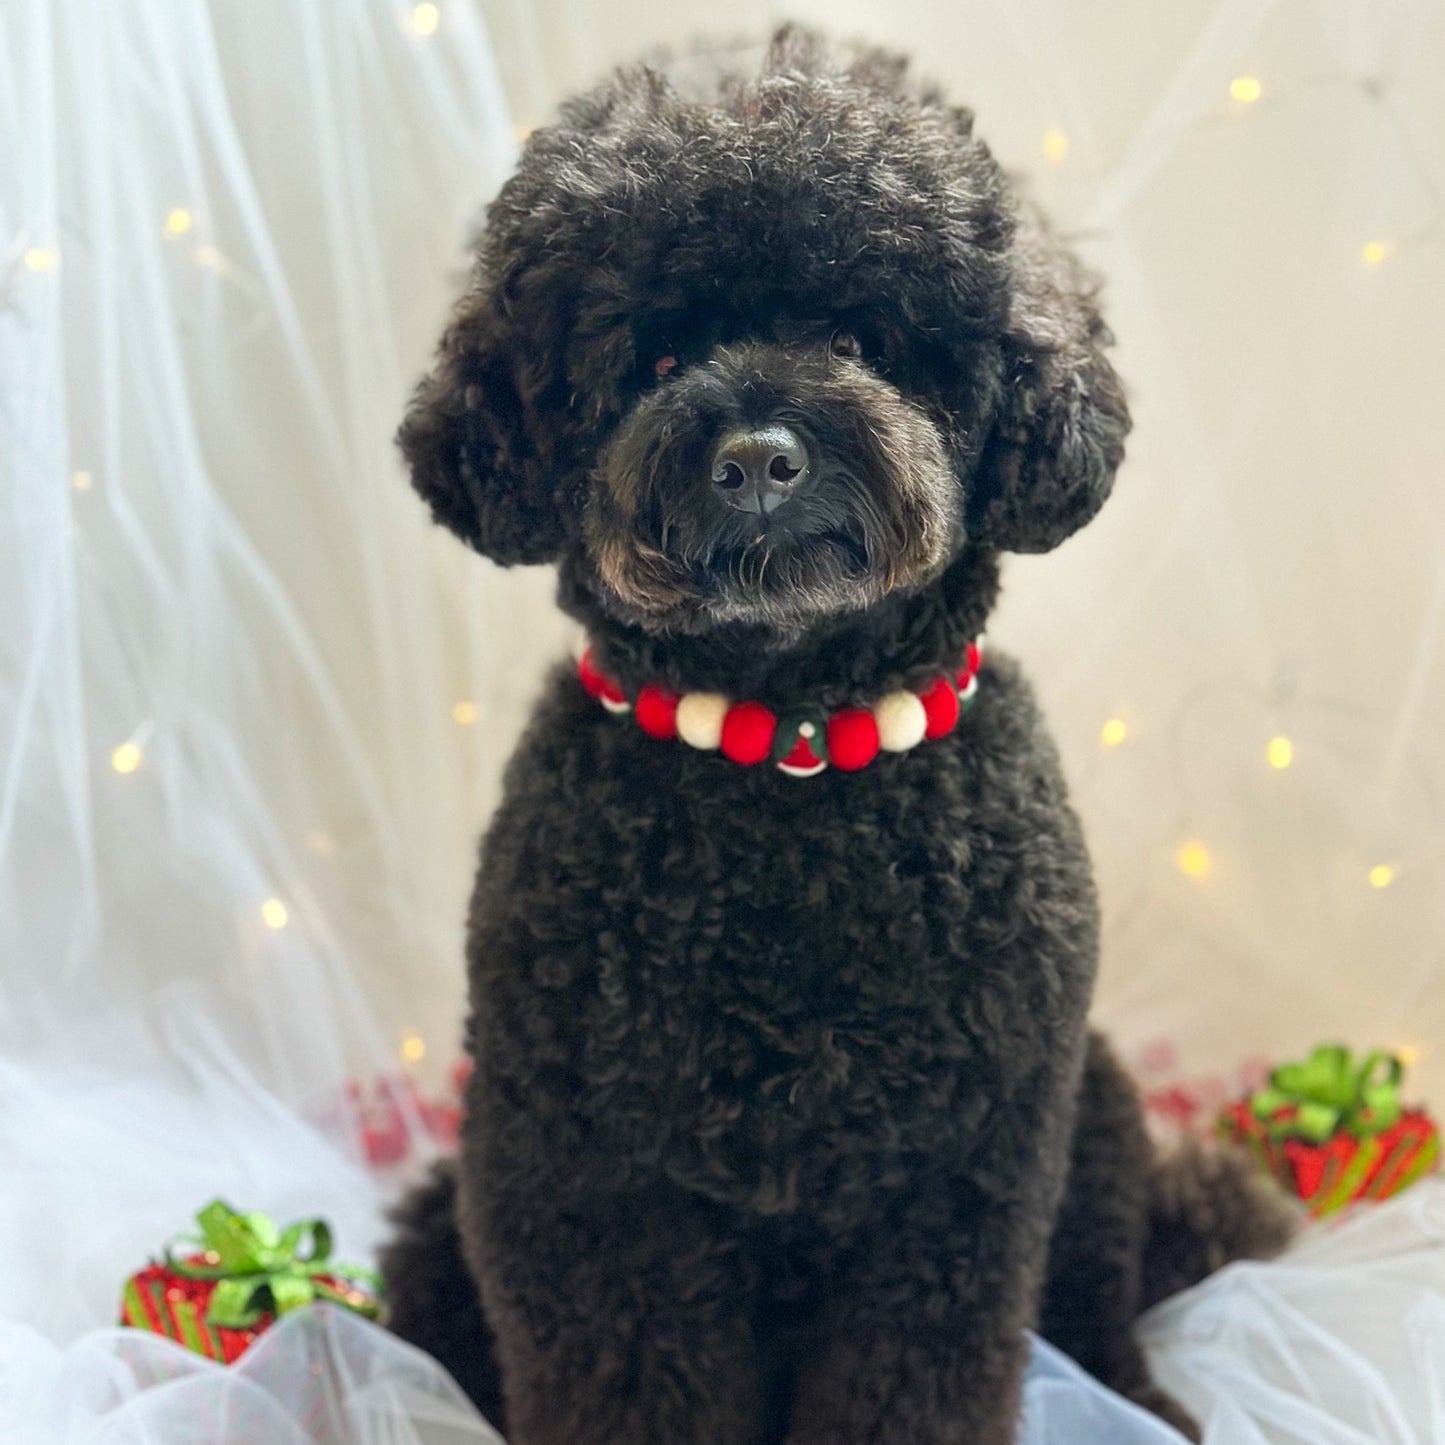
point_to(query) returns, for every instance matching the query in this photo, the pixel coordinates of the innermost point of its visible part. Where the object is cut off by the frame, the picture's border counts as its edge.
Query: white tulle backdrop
(253, 708)
(238, 817)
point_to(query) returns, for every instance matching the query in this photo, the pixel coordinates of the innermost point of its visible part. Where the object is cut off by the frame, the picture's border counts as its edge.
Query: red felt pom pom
(589, 675)
(747, 732)
(656, 711)
(852, 739)
(940, 706)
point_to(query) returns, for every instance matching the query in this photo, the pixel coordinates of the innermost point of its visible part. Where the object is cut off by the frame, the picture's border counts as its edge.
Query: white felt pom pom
(901, 721)
(700, 718)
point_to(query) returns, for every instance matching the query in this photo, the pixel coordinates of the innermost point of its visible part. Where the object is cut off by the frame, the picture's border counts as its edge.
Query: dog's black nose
(759, 469)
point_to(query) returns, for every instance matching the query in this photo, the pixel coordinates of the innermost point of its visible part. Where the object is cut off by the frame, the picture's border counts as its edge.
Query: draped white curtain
(253, 708)
(237, 817)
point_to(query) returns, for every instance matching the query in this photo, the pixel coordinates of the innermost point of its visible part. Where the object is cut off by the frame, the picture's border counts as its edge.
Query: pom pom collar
(801, 743)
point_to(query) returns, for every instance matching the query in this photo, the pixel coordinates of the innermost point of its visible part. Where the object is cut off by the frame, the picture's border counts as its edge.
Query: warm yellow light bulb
(464, 713)
(413, 1048)
(1193, 859)
(1056, 144)
(425, 18)
(274, 912)
(1113, 732)
(81, 481)
(209, 257)
(1373, 253)
(37, 258)
(1409, 1054)
(178, 221)
(1381, 875)
(126, 758)
(320, 842)
(1246, 89)
(1280, 752)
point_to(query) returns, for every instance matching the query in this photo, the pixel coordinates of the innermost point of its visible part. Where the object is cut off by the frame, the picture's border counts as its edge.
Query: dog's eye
(845, 344)
(664, 364)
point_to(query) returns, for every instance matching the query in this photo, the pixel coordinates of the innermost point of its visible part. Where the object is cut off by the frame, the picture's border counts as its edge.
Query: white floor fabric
(1340, 1343)
(325, 1376)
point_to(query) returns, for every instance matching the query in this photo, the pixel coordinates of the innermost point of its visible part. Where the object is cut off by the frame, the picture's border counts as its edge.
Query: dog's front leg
(925, 1339)
(621, 1320)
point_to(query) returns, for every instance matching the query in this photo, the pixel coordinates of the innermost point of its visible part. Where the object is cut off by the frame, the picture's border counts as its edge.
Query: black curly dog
(780, 1083)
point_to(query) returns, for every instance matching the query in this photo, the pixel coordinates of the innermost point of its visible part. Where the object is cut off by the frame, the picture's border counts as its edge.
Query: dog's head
(766, 358)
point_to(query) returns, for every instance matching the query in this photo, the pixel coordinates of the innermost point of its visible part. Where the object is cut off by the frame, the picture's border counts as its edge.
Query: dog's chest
(744, 979)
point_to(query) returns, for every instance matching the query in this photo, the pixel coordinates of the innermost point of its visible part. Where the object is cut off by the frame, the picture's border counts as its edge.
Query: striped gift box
(217, 1301)
(171, 1304)
(1343, 1168)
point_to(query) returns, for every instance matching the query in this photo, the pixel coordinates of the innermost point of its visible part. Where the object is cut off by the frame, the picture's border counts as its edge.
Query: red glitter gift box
(1334, 1131)
(217, 1300)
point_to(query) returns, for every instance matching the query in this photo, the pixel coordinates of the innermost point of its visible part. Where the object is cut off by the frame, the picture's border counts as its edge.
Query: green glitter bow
(262, 1270)
(1316, 1097)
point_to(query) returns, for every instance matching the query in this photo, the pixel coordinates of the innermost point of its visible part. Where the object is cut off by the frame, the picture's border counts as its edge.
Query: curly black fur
(776, 1081)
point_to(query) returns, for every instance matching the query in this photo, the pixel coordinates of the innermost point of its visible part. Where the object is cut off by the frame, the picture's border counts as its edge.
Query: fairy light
(1381, 875)
(38, 258)
(1246, 89)
(413, 1048)
(320, 842)
(82, 481)
(1194, 860)
(209, 257)
(275, 913)
(1280, 753)
(1056, 144)
(464, 713)
(179, 221)
(1409, 1054)
(1113, 732)
(126, 758)
(425, 18)
(1375, 253)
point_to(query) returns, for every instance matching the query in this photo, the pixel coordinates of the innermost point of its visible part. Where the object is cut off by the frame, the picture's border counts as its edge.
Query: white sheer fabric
(1342, 1342)
(253, 707)
(232, 642)
(322, 1375)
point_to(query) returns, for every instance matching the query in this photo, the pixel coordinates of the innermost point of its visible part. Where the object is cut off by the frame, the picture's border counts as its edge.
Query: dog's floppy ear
(1058, 435)
(471, 439)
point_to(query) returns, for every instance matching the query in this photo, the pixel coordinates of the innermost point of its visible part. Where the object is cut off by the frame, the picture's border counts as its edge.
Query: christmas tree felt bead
(799, 748)
(657, 711)
(700, 719)
(747, 732)
(902, 721)
(940, 707)
(852, 739)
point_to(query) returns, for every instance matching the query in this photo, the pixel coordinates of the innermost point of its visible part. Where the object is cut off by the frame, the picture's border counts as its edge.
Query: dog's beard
(880, 515)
